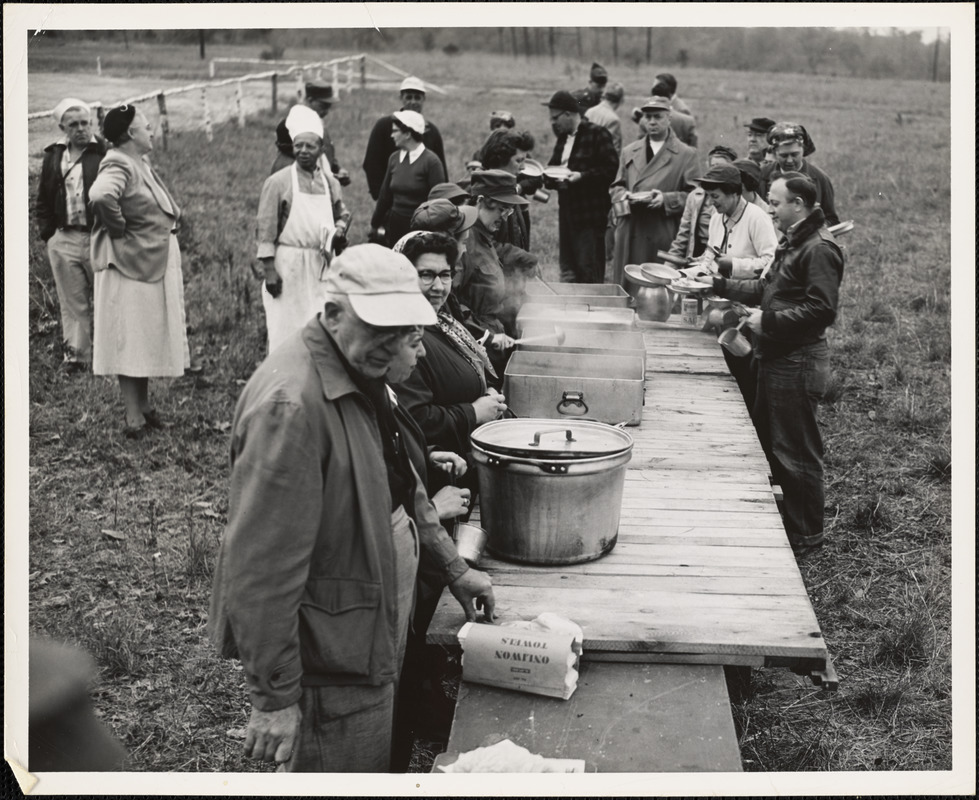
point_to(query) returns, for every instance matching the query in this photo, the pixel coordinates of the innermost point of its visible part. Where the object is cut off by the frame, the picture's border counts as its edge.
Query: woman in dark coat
(447, 394)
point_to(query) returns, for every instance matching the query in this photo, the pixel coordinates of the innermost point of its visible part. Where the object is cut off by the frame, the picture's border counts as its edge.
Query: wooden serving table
(702, 573)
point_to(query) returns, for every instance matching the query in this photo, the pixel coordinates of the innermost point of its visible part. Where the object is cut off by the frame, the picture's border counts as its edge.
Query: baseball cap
(723, 150)
(496, 184)
(563, 100)
(656, 104)
(381, 286)
(723, 173)
(443, 216)
(412, 84)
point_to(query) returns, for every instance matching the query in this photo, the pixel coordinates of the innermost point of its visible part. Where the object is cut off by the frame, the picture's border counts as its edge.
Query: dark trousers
(582, 251)
(744, 369)
(789, 390)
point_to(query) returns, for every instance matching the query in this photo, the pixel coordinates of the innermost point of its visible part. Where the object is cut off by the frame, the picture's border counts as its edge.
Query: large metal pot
(550, 491)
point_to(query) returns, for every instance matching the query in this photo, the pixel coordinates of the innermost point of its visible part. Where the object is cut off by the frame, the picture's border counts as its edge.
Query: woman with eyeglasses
(449, 393)
(491, 284)
(140, 328)
(411, 174)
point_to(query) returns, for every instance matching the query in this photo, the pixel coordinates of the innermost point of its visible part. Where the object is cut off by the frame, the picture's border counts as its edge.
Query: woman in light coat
(140, 327)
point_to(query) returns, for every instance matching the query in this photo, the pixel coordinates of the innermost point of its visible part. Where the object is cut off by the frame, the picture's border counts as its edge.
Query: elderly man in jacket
(315, 578)
(798, 299)
(588, 152)
(655, 176)
(64, 220)
(792, 144)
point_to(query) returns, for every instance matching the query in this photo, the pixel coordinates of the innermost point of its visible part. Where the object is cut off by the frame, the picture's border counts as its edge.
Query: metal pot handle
(538, 434)
(550, 468)
(572, 404)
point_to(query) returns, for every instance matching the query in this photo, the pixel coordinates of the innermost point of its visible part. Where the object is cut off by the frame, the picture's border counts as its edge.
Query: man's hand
(474, 585)
(273, 281)
(725, 265)
(754, 320)
(451, 502)
(452, 463)
(703, 278)
(574, 177)
(656, 199)
(271, 735)
(342, 176)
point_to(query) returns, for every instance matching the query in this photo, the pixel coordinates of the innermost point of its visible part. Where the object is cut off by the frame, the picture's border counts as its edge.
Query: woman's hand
(451, 502)
(500, 341)
(449, 462)
(489, 407)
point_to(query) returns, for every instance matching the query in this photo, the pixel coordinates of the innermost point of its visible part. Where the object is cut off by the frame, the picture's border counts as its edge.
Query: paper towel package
(540, 657)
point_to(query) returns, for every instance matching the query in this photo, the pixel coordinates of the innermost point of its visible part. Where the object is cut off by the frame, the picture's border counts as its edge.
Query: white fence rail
(345, 73)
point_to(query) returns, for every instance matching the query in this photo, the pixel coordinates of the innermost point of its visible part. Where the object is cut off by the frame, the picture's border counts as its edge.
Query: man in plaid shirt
(588, 151)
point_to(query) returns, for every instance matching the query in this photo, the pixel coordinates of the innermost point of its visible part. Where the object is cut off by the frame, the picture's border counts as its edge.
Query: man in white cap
(380, 147)
(64, 222)
(302, 221)
(315, 578)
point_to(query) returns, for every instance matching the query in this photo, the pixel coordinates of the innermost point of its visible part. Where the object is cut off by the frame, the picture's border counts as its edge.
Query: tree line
(854, 52)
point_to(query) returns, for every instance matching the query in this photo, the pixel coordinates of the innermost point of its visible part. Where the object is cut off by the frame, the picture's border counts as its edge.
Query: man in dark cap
(758, 129)
(588, 152)
(655, 176)
(592, 94)
(670, 83)
(319, 97)
(792, 144)
(380, 146)
(691, 237)
(683, 124)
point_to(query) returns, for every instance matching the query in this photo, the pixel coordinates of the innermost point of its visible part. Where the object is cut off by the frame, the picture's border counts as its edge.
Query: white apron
(299, 262)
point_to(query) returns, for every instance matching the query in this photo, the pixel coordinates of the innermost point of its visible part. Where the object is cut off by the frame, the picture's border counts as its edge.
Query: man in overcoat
(655, 175)
(588, 151)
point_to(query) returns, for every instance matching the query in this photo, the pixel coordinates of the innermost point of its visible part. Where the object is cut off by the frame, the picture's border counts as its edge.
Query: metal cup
(734, 341)
(542, 195)
(470, 540)
(621, 208)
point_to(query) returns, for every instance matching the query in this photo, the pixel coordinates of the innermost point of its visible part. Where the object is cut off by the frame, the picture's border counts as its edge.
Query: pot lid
(551, 439)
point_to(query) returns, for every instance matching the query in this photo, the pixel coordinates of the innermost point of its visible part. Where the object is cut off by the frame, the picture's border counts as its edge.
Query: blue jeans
(788, 392)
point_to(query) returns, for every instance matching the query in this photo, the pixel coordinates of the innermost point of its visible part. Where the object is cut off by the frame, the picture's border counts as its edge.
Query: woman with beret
(140, 328)
(412, 172)
(791, 145)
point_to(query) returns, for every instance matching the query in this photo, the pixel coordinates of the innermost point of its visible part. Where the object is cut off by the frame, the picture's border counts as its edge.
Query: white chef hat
(69, 103)
(302, 119)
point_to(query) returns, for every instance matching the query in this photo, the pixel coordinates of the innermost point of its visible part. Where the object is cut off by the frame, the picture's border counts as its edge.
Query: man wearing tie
(588, 151)
(655, 175)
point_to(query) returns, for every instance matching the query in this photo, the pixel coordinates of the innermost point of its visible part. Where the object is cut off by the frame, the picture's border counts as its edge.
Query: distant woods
(856, 52)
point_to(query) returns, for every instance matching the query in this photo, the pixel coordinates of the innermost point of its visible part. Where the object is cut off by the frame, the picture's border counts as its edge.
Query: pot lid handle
(538, 434)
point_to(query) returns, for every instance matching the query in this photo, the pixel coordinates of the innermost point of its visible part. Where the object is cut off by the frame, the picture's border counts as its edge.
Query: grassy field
(123, 535)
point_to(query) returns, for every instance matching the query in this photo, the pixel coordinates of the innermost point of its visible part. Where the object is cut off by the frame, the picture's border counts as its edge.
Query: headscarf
(457, 334)
(302, 119)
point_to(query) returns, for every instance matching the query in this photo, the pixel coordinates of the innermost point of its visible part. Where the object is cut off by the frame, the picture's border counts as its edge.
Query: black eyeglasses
(426, 277)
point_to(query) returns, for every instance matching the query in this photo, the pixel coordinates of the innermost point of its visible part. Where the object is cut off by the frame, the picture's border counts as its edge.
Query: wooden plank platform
(702, 569)
(622, 718)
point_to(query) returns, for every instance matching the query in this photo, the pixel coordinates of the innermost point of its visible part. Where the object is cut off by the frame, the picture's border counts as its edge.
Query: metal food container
(556, 385)
(589, 342)
(550, 490)
(575, 315)
(601, 295)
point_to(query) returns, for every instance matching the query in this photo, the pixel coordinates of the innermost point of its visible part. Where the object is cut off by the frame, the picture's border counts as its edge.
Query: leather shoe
(136, 432)
(153, 419)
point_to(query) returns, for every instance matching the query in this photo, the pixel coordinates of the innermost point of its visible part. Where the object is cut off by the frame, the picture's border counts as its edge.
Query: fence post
(649, 45)
(300, 84)
(240, 103)
(161, 102)
(210, 68)
(363, 72)
(275, 93)
(335, 79)
(350, 75)
(98, 65)
(208, 131)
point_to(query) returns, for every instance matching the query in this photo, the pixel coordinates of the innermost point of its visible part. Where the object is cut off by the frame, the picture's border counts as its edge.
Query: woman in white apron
(301, 222)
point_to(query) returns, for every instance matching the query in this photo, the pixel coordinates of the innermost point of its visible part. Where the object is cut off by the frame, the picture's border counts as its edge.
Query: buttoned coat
(586, 202)
(134, 217)
(641, 233)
